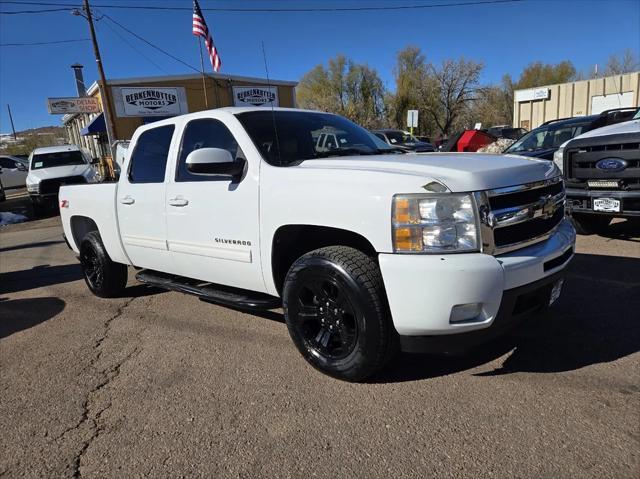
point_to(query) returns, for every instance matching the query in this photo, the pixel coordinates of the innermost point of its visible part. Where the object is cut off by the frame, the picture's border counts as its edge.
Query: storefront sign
(61, 106)
(150, 101)
(255, 96)
(532, 94)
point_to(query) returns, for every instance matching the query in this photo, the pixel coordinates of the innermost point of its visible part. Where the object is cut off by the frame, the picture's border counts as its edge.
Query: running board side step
(210, 292)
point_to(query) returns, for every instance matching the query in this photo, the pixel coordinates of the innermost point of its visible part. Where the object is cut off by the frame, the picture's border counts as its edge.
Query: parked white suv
(53, 166)
(365, 248)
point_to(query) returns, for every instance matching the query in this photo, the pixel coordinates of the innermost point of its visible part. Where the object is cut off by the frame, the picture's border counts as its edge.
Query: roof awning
(96, 126)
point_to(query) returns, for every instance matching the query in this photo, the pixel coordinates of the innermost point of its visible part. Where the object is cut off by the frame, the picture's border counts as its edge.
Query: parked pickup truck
(366, 250)
(53, 166)
(602, 172)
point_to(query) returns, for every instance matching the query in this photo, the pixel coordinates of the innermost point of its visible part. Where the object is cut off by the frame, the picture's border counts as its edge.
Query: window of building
(149, 159)
(204, 133)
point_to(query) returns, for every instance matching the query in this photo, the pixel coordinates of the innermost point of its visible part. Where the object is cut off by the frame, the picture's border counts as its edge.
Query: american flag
(200, 29)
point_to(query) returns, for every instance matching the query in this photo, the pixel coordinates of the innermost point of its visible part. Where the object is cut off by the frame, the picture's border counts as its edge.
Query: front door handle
(127, 200)
(178, 201)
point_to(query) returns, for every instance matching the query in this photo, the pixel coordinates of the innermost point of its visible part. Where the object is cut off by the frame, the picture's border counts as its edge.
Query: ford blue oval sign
(611, 164)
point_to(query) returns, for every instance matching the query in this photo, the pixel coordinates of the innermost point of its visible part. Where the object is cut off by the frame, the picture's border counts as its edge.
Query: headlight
(434, 223)
(557, 158)
(33, 188)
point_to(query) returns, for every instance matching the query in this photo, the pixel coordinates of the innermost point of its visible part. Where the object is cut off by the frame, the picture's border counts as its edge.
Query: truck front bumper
(581, 201)
(424, 290)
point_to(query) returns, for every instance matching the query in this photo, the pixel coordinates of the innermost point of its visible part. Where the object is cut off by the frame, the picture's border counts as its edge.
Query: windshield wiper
(346, 152)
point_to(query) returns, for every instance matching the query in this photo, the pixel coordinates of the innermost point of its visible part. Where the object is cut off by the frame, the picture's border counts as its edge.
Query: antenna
(273, 114)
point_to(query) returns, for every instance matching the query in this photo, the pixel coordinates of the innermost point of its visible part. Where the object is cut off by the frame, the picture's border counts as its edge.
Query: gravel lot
(160, 384)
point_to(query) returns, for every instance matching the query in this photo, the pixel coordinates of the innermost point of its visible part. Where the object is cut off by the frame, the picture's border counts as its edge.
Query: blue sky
(505, 37)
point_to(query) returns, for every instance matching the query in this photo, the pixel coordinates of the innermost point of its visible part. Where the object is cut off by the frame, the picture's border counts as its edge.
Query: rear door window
(149, 159)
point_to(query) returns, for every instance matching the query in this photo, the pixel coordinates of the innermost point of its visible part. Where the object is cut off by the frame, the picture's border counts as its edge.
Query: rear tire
(104, 278)
(587, 224)
(337, 315)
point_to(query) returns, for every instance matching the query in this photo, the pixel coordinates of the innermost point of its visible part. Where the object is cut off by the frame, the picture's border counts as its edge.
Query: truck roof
(55, 149)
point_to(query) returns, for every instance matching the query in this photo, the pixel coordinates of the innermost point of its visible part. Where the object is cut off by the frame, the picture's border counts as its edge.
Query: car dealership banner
(255, 96)
(150, 101)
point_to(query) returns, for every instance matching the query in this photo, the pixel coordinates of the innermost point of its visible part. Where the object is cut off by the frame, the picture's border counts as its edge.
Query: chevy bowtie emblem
(548, 206)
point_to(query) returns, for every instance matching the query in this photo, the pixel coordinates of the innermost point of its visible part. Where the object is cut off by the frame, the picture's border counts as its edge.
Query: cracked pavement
(158, 384)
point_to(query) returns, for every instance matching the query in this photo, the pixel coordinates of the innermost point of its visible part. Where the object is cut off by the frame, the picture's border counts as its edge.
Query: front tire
(589, 224)
(104, 278)
(337, 315)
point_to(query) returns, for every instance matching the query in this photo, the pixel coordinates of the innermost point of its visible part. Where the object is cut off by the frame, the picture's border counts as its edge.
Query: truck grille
(580, 163)
(50, 187)
(518, 216)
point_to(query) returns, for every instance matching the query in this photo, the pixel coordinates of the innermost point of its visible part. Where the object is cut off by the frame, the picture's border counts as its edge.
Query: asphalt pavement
(159, 384)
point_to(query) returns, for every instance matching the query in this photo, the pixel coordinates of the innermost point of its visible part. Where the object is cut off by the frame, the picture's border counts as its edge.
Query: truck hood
(632, 126)
(457, 171)
(36, 176)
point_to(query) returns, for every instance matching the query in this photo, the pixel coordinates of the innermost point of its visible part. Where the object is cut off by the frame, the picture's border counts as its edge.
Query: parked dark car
(506, 131)
(402, 139)
(545, 140)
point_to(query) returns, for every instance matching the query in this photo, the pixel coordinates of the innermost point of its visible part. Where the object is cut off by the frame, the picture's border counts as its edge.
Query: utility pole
(13, 128)
(104, 89)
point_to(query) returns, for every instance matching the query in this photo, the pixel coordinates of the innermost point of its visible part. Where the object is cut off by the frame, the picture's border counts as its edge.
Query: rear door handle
(127, 200)
(178, 201)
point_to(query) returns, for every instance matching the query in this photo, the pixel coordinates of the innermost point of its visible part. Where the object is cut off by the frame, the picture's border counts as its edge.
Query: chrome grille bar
(511, 221)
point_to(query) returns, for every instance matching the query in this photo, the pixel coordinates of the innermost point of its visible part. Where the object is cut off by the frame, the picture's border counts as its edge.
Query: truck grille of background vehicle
(518, 216)
(48, 187)
(582, 172)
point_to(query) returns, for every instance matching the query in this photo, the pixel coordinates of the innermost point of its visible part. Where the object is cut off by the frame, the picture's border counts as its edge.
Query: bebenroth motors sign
(150, 101)
(255, 96)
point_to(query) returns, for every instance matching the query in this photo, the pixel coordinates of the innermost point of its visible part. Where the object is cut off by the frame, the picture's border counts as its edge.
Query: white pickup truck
(367, 249)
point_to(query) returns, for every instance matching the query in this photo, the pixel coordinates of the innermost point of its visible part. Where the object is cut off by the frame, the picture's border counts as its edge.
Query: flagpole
(204, 83)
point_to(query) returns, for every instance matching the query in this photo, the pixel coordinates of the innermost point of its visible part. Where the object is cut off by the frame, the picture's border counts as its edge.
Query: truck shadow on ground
(628, 230)
(38, 277)
(20, 314)
(595, 321)
(45, 275)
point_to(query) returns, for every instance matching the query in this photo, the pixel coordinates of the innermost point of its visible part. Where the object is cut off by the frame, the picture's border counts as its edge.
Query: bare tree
(344, 87)
(626, 62)
(456, 83)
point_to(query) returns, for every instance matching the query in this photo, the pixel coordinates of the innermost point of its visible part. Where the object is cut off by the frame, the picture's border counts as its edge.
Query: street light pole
(105, 94)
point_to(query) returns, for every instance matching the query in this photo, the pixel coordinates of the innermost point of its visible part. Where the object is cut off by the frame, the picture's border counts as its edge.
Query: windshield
(548, 136)
(637, 115)
(285, 137)
(400, 137)
(61, 158)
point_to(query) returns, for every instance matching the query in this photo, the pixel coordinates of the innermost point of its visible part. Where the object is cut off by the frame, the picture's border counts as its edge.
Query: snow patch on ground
(11, 218)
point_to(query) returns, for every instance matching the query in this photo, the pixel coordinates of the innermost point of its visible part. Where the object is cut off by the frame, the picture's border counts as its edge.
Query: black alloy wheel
(337, 314)
(92, 268)
(104, 278)
(328, 323)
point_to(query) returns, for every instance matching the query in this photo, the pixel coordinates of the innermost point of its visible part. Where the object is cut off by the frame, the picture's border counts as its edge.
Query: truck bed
(98, 208)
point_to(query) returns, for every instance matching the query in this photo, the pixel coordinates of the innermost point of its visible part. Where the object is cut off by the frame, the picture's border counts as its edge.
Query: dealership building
(534, 106)
(138, 101)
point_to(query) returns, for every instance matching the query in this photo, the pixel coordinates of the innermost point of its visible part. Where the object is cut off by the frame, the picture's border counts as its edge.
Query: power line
(283, 10)
(43, 43)
(119, 35)
(47, 10)
(150, 44)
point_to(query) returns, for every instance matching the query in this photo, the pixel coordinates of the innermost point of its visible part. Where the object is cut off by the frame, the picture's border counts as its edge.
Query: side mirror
(21, 167)
(214, 161)
(95, 161)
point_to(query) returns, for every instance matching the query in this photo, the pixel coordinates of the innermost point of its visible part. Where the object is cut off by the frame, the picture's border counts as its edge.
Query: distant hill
(50, 130)
(32, 138)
